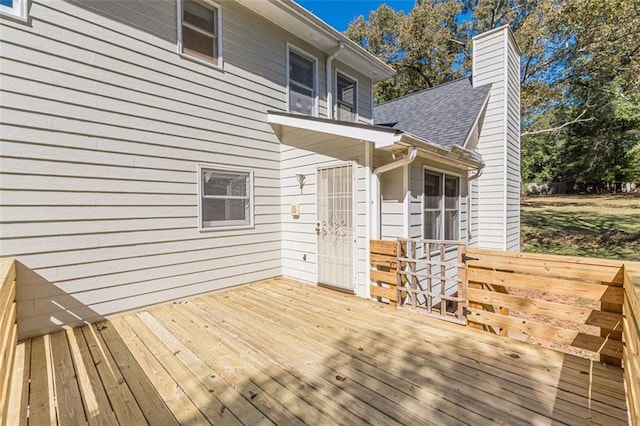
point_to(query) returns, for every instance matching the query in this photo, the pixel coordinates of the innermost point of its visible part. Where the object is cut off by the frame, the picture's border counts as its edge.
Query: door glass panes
(451, 196)
(432, 191)
(441, 206)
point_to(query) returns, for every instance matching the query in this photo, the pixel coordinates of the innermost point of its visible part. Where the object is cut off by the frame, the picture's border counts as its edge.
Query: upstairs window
(346, 98)
(441, 206)
(14, 8)
(302, 83)
(226, 197)
(200, 30)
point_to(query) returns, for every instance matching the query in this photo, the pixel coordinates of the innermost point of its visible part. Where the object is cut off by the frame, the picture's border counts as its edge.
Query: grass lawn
(606, 226)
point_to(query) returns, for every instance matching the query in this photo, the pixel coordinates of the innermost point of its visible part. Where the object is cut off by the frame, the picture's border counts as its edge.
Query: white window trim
(18, 11)
(335, 94)
(444, 173)
(224, 168)
(219, 64)
(301, 52)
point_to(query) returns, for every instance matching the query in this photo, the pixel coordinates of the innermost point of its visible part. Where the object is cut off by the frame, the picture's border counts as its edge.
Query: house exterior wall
(304, 152)
(392, 212)
(496, 61)
(395, 210)
(103, 127)
(402, 218)
(513, 148)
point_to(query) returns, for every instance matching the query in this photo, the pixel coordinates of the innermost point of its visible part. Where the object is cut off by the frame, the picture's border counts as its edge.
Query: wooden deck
(287, 353)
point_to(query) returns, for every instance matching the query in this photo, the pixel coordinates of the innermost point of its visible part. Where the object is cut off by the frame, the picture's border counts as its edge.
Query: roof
(304, 24)
(383, 137)
(444, 115)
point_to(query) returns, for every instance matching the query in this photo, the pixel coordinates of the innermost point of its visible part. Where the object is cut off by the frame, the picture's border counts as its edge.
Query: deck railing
(631, 337)
(568, 301)
(8, 330)
(589, 305)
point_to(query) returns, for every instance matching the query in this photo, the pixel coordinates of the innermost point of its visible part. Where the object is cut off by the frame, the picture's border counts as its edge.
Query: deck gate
(432, 278)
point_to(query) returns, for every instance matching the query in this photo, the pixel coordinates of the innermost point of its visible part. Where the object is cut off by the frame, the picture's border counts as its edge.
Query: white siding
(513, 149)
(103, 125)
(496, 61)
(303, 152)
(392, 204)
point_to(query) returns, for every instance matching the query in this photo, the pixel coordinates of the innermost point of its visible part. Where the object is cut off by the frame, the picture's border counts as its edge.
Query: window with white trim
(226, 197)
(441, 206)
(200, 34)
(14, 9)
(302, 83)
(346, 98)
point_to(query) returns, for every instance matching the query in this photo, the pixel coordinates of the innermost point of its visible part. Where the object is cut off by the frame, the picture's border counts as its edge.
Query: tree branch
(578, 119)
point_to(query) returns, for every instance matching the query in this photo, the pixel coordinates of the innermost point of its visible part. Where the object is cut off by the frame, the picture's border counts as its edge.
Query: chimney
(496, 61)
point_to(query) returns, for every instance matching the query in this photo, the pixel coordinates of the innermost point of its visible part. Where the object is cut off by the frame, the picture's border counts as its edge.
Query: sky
(339, 13)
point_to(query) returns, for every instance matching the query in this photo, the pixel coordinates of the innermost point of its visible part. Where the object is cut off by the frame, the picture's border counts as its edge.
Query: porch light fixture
(301, 179)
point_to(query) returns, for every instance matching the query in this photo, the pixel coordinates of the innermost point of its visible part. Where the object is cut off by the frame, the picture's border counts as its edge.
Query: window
(200, 30)
(226, 197)
(441, 206)
(346, 98)
(14, 9)
(302, 83)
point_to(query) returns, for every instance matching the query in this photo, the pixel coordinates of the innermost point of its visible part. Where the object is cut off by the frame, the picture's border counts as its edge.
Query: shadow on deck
(287, 353)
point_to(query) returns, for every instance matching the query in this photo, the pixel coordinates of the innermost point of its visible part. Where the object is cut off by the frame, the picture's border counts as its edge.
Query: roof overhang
(383, 138)
(380, 136)
(300, 22)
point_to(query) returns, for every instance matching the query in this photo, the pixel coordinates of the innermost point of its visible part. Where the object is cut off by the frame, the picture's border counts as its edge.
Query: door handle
(318, 228)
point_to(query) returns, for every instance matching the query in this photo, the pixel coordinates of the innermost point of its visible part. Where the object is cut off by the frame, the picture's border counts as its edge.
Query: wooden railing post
(631, 331)
(8, 331)
(462, 281)
(615, 334)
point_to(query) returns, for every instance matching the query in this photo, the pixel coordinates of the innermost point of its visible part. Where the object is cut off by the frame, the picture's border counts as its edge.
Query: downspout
(470, 179)
(329, 75)
(375, 188)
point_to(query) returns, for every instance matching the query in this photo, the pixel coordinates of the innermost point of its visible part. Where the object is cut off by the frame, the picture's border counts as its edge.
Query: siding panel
(496, 61)
(103, 123)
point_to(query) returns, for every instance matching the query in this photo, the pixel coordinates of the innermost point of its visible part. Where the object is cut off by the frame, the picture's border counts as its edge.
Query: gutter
(329, 76)
(375, 190)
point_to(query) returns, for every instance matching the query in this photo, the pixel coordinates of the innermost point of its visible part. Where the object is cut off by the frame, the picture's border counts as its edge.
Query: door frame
(354, 212)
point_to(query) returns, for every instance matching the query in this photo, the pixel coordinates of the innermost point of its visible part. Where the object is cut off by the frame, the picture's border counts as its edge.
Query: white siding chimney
(496, 61)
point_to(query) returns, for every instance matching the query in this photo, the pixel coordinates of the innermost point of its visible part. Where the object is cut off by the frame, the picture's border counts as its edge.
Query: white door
(335, 227)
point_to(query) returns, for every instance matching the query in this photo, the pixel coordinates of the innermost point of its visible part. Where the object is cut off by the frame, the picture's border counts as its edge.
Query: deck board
(97, 409)
(281, 352)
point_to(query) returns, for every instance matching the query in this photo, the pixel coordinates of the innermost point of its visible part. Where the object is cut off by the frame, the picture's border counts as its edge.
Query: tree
(420, 46)
(580, 73)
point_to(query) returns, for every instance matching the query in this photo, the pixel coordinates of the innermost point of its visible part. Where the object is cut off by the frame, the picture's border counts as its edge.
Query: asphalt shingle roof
(443, 114)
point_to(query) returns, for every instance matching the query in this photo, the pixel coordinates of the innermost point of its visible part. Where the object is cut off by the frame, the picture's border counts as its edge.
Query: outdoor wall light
(301, 179)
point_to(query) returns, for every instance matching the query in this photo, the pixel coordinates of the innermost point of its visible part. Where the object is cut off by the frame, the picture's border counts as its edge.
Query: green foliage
(421, 46)
(580, 74)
